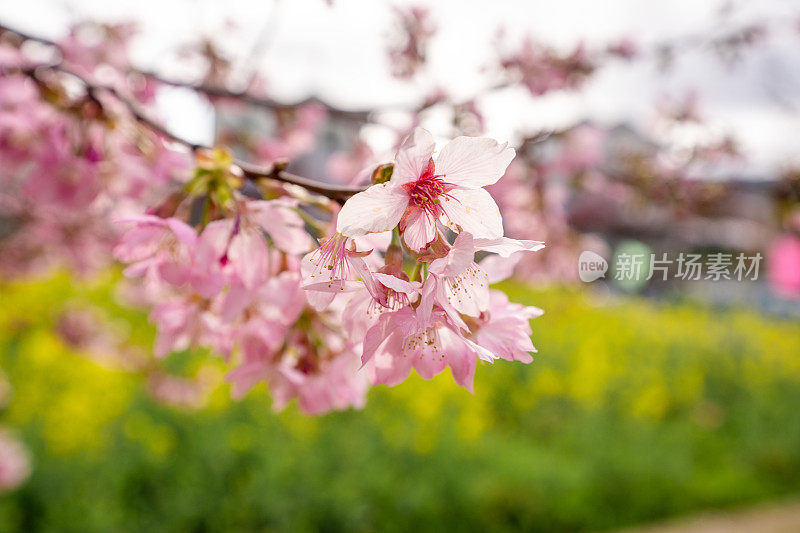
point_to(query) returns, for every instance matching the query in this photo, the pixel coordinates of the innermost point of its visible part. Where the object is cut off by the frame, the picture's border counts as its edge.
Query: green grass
(631, 412)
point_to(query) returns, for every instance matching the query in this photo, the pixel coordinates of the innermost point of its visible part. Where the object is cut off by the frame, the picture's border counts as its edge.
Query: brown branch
(249, 170)
(218, 92)
(212, 91)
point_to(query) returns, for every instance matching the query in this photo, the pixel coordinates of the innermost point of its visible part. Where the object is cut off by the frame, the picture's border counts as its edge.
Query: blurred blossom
(15, 464)
(582, 148)
(626, 48)
(352, 166)
(783, 266)
(543, 69)
(187, 393)
(408, 53)
(296, 133)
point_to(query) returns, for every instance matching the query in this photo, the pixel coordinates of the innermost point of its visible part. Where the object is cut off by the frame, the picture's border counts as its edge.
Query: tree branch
(211, 91)
(249, 170)
(218, 92)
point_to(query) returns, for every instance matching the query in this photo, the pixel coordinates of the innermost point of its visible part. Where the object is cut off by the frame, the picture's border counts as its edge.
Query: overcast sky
(339, 52)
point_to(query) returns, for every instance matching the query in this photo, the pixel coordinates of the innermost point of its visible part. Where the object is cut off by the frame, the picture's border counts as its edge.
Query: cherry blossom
(457, 281)
(423, 191)
(335, 267)
(402, 340)
(504, 329)
(444, 328)
(159, 248)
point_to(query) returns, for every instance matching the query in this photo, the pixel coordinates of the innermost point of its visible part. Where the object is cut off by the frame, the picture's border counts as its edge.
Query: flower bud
(382, 173)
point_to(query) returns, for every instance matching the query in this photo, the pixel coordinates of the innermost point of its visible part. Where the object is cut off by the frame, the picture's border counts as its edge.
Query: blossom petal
(498, 268)
(245, 377)
(235, 301)
(248, 255)
(389, 326)
(413, 156)
(428, 359)
(388, 368)
(473, 211)
(419, 229)
(362, 271)
(282, 223)
(473, 161)
(377, 209)
(335, 286)
(183, 231)
(458, 259)
(213, 241)
(427, 300)
(467, 292)
(397, 284)
(505, 246)
(462, 361)
(320, 300)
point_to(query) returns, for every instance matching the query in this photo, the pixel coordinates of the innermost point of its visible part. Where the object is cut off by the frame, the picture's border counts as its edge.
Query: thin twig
(211, 91)
(249, 170)
(218, 92)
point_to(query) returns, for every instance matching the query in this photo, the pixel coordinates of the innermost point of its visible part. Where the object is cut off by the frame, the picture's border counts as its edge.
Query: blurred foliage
(632, 411)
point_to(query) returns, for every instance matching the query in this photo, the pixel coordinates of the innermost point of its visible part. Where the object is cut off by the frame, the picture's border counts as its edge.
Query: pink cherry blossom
(188, 321)
(403, 339)
(280, 300)
(159, 247)
(238, 246)
(281, 222)
(81, 146)
(333, 268)
(504, 329)
(322, 378)
(423, 191)
(543, 69)
(457, 281)
(363, 308)
(338, 385)
(417, 28)
(177, 391)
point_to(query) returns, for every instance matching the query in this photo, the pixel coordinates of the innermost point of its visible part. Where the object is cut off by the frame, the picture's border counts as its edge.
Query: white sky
(339, 53)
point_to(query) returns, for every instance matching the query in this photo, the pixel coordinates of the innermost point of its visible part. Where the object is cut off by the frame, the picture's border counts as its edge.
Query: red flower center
(426, 192)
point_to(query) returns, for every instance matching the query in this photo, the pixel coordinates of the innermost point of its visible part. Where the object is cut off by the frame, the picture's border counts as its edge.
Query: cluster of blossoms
(385, 292)
(542, 69)
(69, 161)
(438, 311)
